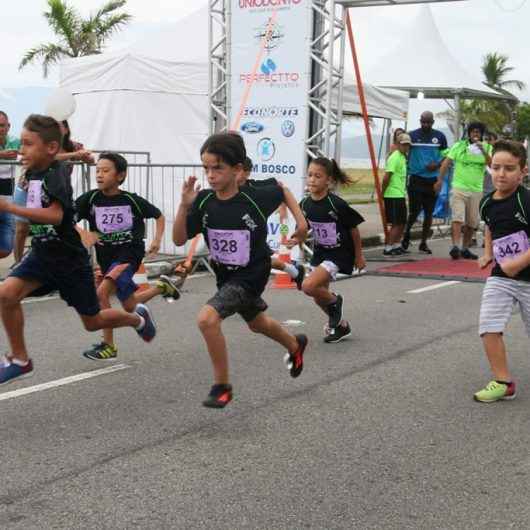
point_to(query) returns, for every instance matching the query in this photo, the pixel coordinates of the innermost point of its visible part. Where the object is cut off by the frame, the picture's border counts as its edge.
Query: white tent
(421, 62)
(151, 97)
(381, 102)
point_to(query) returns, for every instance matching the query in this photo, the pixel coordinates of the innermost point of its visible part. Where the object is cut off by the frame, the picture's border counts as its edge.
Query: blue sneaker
(11, 371)
(148, 332)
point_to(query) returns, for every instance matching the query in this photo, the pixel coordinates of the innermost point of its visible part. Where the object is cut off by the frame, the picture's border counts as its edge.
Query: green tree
(77, 36)
(495, 69)
(523, 121)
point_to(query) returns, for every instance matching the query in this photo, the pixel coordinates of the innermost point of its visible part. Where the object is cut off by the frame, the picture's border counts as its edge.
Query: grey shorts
(233, 298)
(499, 298)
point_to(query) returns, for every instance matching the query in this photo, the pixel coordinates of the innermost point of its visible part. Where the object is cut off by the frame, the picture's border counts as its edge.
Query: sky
(470, 29)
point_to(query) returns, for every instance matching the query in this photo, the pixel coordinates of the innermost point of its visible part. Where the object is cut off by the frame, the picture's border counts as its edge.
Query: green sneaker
(495, 391)
(101, 352)
(169, 288)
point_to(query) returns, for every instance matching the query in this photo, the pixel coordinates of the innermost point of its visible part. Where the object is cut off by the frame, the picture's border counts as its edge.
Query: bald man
(425, 158)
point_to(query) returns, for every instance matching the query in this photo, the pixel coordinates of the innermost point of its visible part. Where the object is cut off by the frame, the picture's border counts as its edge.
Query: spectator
(70, 150)
(470, 157)
(9, 147)
(425, 158)
(397, 133)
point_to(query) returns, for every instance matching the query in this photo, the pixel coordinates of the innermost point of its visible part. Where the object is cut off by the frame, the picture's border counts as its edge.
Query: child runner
(57, 260)
(394, 192)
(337, 242)
(506, 212)
(233, 222)
(116, 220)
(296, 272)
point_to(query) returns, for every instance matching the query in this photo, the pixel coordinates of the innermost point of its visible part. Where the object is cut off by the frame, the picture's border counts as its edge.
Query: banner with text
(269, 83)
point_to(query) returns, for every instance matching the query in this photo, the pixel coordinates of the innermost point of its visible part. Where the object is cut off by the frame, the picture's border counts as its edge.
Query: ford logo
(252, 127)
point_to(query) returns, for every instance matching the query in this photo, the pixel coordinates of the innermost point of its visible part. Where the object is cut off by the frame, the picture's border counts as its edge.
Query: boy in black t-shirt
(233, 222)
(58, 260)
(296, 272)
(337, 242)
(506, 212)
(116, 222)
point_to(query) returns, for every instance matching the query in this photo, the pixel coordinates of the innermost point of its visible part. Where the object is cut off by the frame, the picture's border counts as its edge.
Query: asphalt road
(379, 432)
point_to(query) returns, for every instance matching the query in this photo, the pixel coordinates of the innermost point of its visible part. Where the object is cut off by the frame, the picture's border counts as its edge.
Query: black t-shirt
(119, 219)
(505, 217)
(254, 183)
(331, 220)
(58, 243)
(235, 231)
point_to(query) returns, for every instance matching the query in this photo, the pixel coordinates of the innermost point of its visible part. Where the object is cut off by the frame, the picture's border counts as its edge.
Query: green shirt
(469, 165)
(397, 166)
(11, 143)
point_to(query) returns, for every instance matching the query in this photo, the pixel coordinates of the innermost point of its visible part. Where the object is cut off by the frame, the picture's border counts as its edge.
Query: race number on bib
(230, 247)
(111, 219)
(34, 199)
(511, 246)
(325, 233)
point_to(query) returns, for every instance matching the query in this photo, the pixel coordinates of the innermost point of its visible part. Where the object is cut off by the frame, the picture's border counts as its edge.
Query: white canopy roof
(429, 67)
(368, 3)
(381, 102)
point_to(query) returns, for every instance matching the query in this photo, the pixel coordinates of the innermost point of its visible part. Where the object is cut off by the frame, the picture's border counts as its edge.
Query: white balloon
(60, 104)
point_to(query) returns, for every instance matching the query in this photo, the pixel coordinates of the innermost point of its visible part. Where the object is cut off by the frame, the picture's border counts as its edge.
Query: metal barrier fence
(160, 184)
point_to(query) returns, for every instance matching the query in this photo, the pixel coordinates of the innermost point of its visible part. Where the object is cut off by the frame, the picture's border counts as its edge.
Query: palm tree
(495, 69)
(77, 36)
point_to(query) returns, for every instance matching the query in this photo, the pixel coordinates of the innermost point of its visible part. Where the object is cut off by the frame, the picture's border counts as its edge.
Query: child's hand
(190, 190)
(154, 247)
(484, 261)
(89, 239)
(360, 262)
(510, 267)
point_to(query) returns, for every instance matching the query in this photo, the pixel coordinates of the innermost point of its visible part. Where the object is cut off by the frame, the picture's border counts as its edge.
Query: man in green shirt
(8, 151)
(394, 191)
(470, 158)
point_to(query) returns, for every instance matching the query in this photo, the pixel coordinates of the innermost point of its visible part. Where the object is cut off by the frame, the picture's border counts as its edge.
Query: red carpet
(437, 268)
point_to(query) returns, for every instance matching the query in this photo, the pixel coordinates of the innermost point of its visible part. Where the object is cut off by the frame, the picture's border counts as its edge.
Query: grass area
(363, 184)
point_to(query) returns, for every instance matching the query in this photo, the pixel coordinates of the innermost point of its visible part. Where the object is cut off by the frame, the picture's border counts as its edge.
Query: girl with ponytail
(337, 242)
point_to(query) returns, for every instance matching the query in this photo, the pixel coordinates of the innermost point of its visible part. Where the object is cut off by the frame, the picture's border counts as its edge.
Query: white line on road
(62, 382)
(433, 287)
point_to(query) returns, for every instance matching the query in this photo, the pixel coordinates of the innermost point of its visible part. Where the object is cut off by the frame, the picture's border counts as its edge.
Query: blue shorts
(125, 286)
(19, 198)
(75, 283)
(7, 230)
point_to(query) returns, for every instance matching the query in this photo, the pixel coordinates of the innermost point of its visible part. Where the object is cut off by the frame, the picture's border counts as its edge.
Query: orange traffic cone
(140, 278)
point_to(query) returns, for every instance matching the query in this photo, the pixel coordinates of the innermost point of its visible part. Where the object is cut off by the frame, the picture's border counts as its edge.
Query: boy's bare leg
(271, 328)
(106, 289)
(209, 322)
(316, 285)
(496, 352)
(111, 318)
(12, 292)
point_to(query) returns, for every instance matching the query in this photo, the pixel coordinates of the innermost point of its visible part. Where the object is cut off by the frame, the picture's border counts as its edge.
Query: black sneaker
(388, 252)
(455, 252)
(405, 243)
(403, 251)
(301, 277)
(335, 311)
(338, 333)
(219, 397)
(295, 361)
(467, 254)
(101, 352)
(424, 248)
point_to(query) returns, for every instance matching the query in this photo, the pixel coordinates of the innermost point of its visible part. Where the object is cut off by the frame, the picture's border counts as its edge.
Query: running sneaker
(424, 248)
(11, 371)
(338, 333)
(495, 391)
(405, 243)
(455, 252)
(169, 288)
(299, 280)
(467, 254)
(388, 252)
(295, 361)
(219, 397)
(148, 332)
(335, 312)
(101, 352)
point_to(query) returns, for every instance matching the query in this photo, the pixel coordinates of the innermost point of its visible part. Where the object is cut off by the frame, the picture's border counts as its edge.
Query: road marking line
(62, 382)
(433, 287)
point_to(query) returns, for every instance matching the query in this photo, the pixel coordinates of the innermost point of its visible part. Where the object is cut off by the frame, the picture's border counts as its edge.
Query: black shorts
(421, 195)
(396, 211)
(233, 298)
(75, 284)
